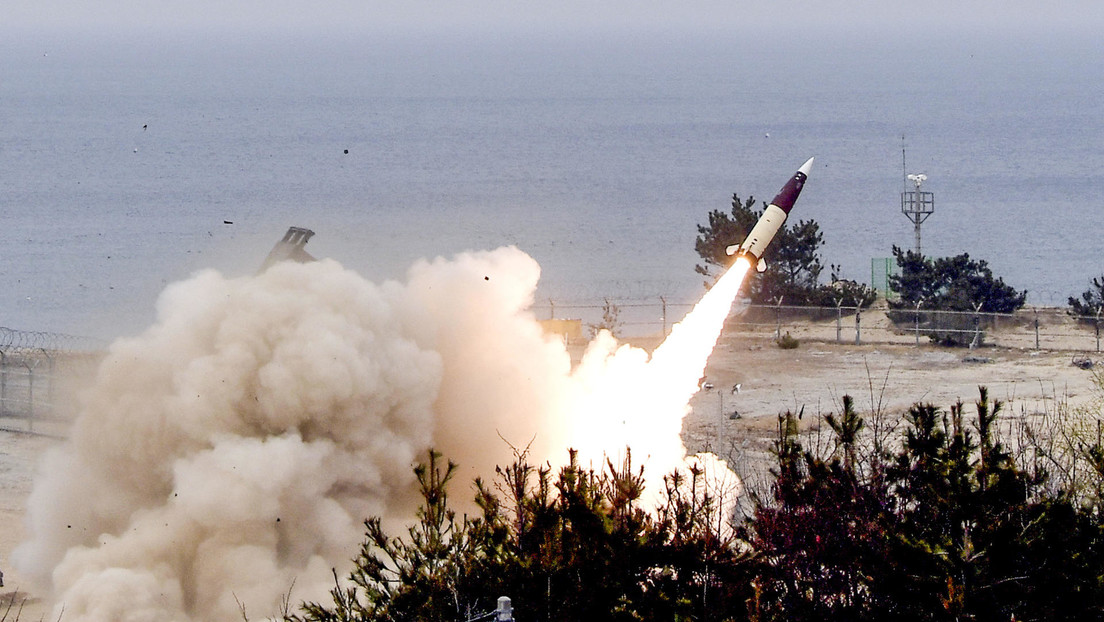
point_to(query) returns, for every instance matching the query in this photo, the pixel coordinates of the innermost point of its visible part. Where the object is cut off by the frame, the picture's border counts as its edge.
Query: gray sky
(980, 17)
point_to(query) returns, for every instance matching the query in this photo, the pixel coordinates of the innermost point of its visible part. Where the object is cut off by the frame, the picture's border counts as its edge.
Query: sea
(130, 162)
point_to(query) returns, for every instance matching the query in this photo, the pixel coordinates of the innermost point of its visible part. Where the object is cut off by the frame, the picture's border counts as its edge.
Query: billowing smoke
(233, 449)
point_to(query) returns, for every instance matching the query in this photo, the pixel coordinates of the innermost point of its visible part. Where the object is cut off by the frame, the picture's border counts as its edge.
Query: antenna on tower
(904, 169)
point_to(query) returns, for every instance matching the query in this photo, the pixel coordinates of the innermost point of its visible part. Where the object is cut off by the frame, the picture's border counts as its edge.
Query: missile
(771, 221)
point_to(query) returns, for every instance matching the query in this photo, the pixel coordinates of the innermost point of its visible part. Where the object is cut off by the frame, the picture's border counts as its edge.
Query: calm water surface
(597, 156)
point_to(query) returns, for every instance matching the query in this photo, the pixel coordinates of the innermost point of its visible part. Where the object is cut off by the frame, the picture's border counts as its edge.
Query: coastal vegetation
(953, 291)
(950, 284)
(1091, 302)
(958, 289)
(945, 514)
(793, 260)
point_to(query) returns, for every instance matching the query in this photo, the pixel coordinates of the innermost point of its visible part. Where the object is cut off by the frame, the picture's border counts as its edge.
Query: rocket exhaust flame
(705, 321)
(631, 400)
(660, 389)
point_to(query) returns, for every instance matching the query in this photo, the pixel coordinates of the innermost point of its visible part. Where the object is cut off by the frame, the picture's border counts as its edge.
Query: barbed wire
(11, 339)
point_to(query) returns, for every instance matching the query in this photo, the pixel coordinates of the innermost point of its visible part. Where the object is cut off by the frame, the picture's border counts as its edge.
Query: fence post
(839, 320)
(977, 327)
(49, 380)
(663, 300)
(3, 383)
(30, 397)
(1036, 327)
(778, 319)
(858, 322)
(917, 324)
(1097, 326)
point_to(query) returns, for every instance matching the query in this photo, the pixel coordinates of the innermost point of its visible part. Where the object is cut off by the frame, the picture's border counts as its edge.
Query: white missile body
(772, 219)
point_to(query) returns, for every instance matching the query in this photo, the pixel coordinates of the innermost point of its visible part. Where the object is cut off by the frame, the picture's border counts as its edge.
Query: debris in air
(290, 248)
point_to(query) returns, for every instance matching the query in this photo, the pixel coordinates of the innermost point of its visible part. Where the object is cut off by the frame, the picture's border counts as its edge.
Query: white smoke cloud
(234, 448)
(504, 381)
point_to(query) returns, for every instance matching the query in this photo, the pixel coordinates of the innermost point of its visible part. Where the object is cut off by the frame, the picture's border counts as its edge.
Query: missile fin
(762, 267)
(731, 249)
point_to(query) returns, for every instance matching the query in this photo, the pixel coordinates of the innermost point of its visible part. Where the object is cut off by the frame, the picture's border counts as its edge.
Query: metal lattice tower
(917, 205)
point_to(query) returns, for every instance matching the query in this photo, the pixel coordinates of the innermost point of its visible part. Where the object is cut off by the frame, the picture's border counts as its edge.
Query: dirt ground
(886, 378)
(883, 378)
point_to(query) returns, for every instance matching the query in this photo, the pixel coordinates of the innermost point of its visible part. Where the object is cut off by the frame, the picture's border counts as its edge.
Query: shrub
(1091, 301)
(786, 342)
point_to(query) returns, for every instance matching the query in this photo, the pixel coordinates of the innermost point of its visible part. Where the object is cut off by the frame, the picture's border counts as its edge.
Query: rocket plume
(233, 449)
(630, 400)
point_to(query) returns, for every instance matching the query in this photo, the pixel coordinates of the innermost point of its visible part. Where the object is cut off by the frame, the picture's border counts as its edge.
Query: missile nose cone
(788, 194)
(805, 168)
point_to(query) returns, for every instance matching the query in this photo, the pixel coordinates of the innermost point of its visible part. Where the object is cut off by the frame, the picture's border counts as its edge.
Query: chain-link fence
(1046, 328)
(37, 370)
